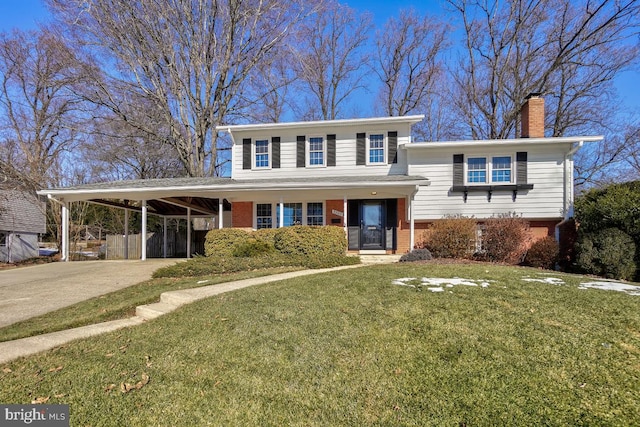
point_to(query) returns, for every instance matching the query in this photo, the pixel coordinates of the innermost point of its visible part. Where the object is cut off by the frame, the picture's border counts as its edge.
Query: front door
(372, 226)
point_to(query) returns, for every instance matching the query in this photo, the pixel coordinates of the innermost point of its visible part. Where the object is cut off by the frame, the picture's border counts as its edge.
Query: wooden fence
(176, 245)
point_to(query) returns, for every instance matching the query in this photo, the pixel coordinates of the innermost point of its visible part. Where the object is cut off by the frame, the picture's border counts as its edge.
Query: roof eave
(501, 142)
(324, 123)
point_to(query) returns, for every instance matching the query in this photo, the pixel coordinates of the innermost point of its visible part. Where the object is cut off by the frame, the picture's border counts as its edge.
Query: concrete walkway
(169, 301)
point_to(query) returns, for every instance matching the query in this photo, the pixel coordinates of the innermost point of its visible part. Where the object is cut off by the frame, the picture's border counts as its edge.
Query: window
(500, 168)
(477, 170)
(292, 214)
(376, 148)
(316, 151)
(264, 218)
(262, 153)
(3, 238)
(314, 214)
(267, 215)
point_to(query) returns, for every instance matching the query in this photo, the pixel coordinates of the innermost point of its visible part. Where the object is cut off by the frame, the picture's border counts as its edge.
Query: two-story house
(366, 175)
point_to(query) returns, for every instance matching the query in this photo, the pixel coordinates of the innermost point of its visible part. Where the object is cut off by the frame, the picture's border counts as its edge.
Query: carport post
(126, 233)
(281, 207)
(220, 213)
(164, 237)
(188, 232)
(65, 232)
(143, 237)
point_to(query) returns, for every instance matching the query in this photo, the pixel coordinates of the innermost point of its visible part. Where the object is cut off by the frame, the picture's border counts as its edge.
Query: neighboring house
(22, 219)
(368, 176)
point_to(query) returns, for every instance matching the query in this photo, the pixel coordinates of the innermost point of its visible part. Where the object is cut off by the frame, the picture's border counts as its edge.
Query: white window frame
(489, 169)
(324, 151)
(254, 153)
(275, 211)
(384, 148)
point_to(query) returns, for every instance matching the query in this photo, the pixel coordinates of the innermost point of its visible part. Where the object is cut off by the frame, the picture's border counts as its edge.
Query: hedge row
(313, 247)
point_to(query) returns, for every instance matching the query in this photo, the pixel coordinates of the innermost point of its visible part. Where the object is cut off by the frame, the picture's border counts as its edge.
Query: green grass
(120, 304)
(351, 348)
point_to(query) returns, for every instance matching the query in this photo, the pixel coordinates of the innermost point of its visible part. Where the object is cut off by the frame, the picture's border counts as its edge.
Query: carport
(211, 197)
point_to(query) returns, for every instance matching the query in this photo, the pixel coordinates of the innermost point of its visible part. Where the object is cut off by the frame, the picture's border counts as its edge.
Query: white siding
(345, 153)
(545, 171)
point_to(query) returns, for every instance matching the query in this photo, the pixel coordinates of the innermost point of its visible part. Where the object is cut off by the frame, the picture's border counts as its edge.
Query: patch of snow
(200, 282)
(548, 280)
(434, 284)
(612, 286)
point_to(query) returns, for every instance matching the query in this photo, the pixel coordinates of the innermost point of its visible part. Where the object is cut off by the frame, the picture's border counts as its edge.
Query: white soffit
(501, 142)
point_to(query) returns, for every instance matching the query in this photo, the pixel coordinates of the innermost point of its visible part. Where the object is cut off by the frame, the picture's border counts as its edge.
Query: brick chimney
(532, 116)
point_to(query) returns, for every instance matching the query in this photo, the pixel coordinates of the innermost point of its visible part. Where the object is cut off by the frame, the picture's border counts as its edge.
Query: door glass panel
(372, 229)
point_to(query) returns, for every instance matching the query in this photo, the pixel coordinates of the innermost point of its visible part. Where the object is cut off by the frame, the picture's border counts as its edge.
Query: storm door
(372, 224)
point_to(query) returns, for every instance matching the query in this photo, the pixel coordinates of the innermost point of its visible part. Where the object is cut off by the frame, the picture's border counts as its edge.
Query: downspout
(568, 188)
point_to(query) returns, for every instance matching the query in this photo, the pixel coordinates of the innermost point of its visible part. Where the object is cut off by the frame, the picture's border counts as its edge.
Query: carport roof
(171, 196)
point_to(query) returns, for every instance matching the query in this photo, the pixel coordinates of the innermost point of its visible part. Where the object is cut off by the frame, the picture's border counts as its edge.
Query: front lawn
(367, 346)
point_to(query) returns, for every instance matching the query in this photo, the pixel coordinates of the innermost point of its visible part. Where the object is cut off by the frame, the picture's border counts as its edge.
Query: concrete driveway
(31, 291)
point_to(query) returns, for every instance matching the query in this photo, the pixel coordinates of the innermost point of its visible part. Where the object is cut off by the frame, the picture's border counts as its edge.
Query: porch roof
(172, 196)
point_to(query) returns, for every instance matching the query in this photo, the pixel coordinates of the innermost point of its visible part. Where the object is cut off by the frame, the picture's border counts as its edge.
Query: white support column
(64, 250)
(281, 207)
(126, 233)
(143, 237)
(220, 213)
(164, 237)
(344, 211)
(412, 225)
(188, 232)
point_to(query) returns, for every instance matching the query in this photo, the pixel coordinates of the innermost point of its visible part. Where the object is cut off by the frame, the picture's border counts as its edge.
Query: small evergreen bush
(221, 242)
(252, 248)
(608, 253)
(505, 238)
(543, 253)
(416, 255)
(451, 237)
(265, 235)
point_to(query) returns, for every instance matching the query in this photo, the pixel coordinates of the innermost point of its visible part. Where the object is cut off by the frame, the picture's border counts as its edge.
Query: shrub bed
(543, 253)
(221, 242)
(451, 237)
(505, 239)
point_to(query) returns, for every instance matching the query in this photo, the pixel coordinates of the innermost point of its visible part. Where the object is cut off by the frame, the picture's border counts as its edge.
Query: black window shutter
(458, 170)
(246, 153)
(275, 152)
(361, 149)
(521, 167)
(331, 150)
(301, 153)
(392, 142)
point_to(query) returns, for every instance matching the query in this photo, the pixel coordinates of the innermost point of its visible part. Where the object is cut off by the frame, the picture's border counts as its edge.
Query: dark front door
(372, 226)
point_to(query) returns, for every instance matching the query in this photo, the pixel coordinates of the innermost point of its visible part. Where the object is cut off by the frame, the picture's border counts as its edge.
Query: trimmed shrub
(266, 235)
(311, 241)
(608, 253)
(505, 238)
(543, 253)
(451, 237)
(416, 255)
(221, 242)
(252, 248)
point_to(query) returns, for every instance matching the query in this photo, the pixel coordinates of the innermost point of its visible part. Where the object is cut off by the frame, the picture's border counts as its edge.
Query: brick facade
(242, 215)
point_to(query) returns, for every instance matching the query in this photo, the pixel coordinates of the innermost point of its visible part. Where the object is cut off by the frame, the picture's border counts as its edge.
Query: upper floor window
(376, 148)
(316, 151)
(262, 153)
(485, 170)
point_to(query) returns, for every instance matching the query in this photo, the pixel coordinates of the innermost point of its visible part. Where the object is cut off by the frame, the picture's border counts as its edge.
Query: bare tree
(38, 111)
(187, 58)
(567, 50)
(330, 59)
